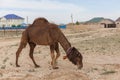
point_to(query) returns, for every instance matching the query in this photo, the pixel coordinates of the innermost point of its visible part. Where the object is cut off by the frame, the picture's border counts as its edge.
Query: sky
(60, 11)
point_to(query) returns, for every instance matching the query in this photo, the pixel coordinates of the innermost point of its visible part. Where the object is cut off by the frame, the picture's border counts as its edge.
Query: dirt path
(8, 41)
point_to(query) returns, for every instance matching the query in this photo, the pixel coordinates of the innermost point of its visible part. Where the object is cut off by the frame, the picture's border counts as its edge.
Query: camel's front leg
(57, 51)
(53, 62)
(32, 46)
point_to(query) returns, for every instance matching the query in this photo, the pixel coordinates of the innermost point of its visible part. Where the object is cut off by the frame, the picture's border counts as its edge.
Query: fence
(11, 31)
(24, 27)
(10, 28)
(16, 31)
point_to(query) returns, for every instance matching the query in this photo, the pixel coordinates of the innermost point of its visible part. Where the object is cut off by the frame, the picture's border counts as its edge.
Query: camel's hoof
(55, 67)
(55, 63)
(37, 66)
(51, 63)
(17, 65)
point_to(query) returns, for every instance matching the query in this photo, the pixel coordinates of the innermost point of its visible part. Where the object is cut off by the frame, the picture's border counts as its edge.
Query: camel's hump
(40, 20)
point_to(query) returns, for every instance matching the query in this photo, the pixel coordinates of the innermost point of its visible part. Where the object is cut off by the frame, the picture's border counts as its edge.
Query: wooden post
(16, 32)
(4, 29)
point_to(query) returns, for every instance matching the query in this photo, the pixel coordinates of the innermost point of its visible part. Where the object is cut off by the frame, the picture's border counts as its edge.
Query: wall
(83, 27)
(117, 24)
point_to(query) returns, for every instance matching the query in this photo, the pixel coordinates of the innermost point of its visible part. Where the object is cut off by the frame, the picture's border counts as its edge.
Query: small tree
(77, 23)
(13, 26)
(18, 25)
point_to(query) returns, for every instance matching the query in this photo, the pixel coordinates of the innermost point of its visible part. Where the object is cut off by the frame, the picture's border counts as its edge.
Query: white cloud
(57, 11)
(40, 5)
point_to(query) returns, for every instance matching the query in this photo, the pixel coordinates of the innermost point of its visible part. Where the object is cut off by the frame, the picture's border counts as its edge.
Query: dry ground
(100, 49)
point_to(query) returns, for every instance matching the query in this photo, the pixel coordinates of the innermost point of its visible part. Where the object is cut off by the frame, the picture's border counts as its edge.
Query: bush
(18, 25)
(13, 26)
(77, 23)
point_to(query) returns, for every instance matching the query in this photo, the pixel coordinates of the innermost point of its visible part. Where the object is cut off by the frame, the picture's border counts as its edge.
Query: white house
(11, 20)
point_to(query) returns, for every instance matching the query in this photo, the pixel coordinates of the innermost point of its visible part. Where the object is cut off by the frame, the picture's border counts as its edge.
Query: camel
(42, 32)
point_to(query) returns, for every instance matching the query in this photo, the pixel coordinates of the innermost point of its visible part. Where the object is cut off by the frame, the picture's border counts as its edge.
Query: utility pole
(27, 20)
(72, 18)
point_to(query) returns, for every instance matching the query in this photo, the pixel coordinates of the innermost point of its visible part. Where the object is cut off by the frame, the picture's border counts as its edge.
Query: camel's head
(75, 57)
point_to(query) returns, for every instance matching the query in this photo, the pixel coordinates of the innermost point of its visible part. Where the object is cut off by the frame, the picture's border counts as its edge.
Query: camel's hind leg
(32, 46)
(53, 62)
(22, 45)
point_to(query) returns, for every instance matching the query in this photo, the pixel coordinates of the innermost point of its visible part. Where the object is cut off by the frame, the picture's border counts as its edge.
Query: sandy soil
(100, 50)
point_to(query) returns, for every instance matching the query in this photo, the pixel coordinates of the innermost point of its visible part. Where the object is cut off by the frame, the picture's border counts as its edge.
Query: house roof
(12, 16)
(95, 20)
(118, 19)
(109, 20)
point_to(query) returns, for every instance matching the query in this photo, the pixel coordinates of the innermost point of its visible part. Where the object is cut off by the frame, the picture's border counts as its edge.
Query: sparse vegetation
(14, 45)
(100, 45)
(5, 60)
(31, 70)
(37, 52)
(108, 72)
(95, 68)
(11, 64)
(100, 50)
(3, 66)
(1, 74)
(77, 23)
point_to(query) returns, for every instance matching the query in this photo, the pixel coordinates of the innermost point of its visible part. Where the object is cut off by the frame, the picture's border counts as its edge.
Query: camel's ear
(64, 57)
(73, 47)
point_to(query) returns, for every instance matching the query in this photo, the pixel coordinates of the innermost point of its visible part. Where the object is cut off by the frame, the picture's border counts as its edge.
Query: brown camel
(41, 32)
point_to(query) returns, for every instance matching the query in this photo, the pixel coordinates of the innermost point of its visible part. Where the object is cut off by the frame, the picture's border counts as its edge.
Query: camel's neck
(64, 42)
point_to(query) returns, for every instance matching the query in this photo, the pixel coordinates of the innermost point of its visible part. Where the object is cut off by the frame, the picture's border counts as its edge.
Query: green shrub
(13, 26)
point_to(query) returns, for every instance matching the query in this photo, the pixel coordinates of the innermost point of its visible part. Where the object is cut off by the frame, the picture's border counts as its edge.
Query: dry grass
(108, 72)
(100, 50)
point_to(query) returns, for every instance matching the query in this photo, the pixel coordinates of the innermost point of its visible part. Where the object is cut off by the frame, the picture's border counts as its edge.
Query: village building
(11, 20)
(101, 22)
(118, 23)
